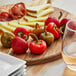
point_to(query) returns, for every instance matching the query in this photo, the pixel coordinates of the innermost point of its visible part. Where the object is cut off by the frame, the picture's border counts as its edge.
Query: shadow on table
(68, 72)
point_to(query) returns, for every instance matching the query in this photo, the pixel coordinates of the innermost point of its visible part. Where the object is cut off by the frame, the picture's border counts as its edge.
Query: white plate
(11, 63)
(19, 71)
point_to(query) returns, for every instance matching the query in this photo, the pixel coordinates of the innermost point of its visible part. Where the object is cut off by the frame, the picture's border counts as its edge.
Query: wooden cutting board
(53, 52)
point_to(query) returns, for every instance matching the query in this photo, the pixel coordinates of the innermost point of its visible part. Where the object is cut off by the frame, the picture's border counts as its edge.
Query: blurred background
(69, 5)
(4, 2)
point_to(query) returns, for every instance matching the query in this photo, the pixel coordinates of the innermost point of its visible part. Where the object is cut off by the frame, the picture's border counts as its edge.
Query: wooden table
(56, 68)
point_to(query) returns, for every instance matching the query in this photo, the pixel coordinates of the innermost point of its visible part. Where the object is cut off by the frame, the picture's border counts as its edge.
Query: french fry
(4, 30)
(15, 24)
(41, 14)
(32, 19)
(38, 9)
(32, 24)
(5, 26)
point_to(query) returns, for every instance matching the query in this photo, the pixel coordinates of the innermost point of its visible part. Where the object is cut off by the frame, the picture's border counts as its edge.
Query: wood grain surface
(53, 52)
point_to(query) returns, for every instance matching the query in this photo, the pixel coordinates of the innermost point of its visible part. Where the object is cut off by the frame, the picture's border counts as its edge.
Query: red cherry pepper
(63, 24)
(53, 29)
(63, 21)
(52, 19)
(21, 32)
(38, 46)
(19, 45)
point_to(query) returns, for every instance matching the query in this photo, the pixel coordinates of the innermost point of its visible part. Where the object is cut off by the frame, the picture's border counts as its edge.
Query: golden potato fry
(15, 24)
(5, 26)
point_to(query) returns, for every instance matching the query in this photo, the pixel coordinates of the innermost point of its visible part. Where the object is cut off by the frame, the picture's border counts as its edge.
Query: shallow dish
(10, 63)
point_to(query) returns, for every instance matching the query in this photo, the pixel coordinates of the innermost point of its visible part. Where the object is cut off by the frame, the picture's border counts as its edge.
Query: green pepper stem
(25, 19)
(37, 25)
(25, 37)
(10, 51)
(45, 30)
(31, 34)
(60, 15)
(20, 33)
(61, 32)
